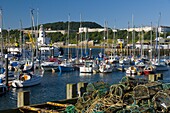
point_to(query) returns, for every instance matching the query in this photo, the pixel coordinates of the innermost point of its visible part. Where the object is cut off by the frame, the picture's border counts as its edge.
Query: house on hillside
(142, 44)
(84, 43)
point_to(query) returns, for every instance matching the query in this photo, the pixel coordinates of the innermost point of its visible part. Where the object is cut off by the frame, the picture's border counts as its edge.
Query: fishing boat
(11, 73)
(161, 66)
(51, 63)
(150, 69)
(140, 64)
(105, 67)
(66, 66)
(3, 88)
(131, 70)
(27, 80)
(125, 61)
(89, 67)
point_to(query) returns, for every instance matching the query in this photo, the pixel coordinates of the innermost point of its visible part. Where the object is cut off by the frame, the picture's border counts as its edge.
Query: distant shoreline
(81, 47)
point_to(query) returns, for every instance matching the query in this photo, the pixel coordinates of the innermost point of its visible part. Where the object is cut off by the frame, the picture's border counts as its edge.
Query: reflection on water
(53, 86)
(85, 74)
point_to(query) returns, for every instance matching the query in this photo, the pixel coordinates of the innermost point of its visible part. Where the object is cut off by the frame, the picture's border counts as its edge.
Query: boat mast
(159, 37)
(37, 37)
(104, 36)
(142, 49)
(68, 35)
(32, 29)
(1, 28)
(107, 34)
(151, 41)
(128, 39)
(8, 39)
(81, 36)
(21, 41)
(113, 45)
(132, 36)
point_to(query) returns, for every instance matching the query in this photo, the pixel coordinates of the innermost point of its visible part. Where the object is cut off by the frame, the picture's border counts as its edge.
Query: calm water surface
(53, 86)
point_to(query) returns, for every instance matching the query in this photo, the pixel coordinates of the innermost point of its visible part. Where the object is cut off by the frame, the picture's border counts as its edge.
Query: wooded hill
(73, 25)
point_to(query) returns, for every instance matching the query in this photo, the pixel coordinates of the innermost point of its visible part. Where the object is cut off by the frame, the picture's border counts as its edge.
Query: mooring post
(152, 77)
(90, 52)
(23, 98)
(159, 76)
(71, 91)
(52, 52)
(81, 88)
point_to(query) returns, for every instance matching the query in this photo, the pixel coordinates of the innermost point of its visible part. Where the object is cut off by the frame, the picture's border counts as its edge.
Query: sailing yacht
(160, 65)
(27, 80)
(67, 64)
(28, 77)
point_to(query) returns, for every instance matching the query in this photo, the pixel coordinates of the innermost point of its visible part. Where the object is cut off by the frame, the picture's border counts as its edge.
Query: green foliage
(75, 37)
(74, 26)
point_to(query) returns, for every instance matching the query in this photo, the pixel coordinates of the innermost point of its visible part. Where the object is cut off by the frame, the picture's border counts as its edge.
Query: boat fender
(23, 78)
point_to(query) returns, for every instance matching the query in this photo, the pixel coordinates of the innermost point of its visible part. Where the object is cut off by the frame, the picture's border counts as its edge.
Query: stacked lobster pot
(131, 95)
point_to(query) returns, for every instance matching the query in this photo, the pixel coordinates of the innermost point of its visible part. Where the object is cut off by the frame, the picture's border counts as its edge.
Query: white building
(85, 29)
(162, 29)
(139, 29)
(42, 40)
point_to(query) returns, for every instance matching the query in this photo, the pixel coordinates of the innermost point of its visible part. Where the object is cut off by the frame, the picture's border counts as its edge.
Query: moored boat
(3, 88)
(89, 67)
(149, 70)
(27, 80)
(105, 67)
(131, 70)
(50, 64)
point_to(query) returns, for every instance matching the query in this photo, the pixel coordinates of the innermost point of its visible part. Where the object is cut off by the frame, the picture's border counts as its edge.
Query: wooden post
(71, 91)
(90, 52)
(23, 98)
(152, 77)
(159, 76)
(52, 52)
(81, 88)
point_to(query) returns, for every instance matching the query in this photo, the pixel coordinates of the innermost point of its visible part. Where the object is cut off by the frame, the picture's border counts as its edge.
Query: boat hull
(27, 83)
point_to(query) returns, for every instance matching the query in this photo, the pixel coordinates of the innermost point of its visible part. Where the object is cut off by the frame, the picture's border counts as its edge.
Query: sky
(117, 13)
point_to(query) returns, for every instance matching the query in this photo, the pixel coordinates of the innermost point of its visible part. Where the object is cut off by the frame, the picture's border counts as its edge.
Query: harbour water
(53, 86)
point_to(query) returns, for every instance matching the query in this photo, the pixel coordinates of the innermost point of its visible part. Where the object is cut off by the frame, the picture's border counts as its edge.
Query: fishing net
(166, 86)
(131, 82)
(131, 95)
(161, 101)
(141, 92)
(70, 109)
(128, 99)
(154, 87)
